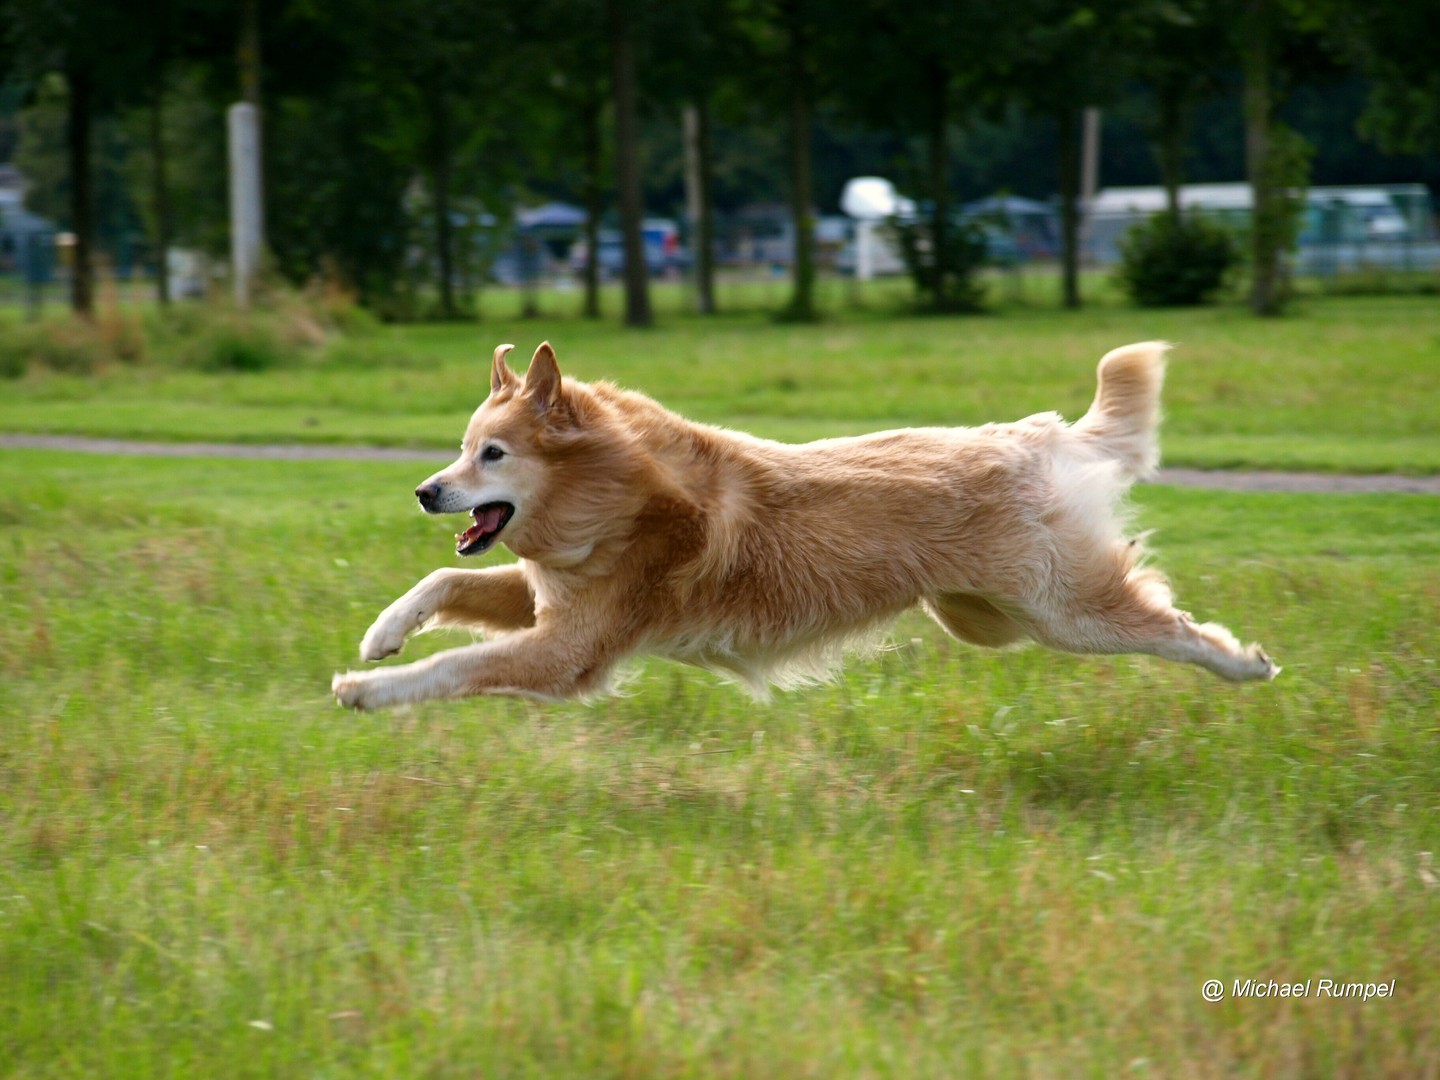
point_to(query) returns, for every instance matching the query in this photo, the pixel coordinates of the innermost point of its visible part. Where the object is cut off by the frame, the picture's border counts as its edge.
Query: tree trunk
(1264, 238)
(699, 197)
(627, 168)
(802, 298)
(1170, 147)
(79, 119)
(593, 109)
(248, 52)
(440, 193)
(940, 189)
(1068, 131)
(160, 195)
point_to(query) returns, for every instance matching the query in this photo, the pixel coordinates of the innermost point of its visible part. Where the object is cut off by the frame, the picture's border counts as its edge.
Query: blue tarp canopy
(1009, 205)
(553, 215)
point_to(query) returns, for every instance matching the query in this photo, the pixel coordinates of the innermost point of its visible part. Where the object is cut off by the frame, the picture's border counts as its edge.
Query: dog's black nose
(429, 495)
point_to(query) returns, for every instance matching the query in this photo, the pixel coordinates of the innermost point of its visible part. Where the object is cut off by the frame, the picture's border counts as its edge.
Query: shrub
(72, 346)
(284, 327)
(235, 345)
(959, 289)
(211, 337)
(121, 335)
(1168, 262)
(13, 359)
(338, 308)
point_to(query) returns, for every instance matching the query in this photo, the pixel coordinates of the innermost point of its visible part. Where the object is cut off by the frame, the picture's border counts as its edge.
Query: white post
(864, 250)
(246, 227)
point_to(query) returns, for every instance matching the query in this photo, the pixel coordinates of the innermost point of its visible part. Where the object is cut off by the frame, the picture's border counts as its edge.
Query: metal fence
(1343, 230)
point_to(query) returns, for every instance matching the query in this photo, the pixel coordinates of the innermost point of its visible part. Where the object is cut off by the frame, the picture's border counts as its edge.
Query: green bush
(284, 328)
(1171, 262)
(215, 337)
(73, 346)
(959, 287)
(352, 320)
(234, 346)
(13, 358)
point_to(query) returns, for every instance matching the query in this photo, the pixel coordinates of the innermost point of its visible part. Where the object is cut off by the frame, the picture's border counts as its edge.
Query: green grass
(951, 863)
(1347, 384)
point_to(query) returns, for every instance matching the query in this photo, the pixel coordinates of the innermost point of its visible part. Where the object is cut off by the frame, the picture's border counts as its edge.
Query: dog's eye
(491, 453)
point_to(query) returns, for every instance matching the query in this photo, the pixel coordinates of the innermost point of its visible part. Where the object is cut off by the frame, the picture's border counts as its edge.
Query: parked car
(663, 253)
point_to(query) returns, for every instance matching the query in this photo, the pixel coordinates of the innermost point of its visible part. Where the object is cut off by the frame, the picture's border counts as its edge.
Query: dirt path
(1199, 478)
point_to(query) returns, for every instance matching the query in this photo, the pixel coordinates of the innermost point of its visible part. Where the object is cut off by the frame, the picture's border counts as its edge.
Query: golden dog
(639, 531)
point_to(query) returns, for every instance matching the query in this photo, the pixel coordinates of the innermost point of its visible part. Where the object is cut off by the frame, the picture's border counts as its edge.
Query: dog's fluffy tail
(1122, 422)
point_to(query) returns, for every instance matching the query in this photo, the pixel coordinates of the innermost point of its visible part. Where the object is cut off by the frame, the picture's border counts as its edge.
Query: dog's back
(824, 541)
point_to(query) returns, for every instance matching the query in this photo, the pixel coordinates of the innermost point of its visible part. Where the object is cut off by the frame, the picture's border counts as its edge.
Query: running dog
(638, 531)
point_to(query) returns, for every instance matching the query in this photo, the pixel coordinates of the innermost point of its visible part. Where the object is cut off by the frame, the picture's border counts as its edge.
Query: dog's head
(500, 469)
(549, 467)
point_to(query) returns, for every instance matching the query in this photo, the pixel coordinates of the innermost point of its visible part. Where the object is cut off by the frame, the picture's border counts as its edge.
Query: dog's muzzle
(489, 520)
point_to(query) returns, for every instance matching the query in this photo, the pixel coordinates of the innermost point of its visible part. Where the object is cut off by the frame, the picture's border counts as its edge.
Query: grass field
(950, 863)
(1347, 385)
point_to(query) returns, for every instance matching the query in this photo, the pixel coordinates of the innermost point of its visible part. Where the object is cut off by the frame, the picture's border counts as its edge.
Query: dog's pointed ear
(500, 374)
(542, 380)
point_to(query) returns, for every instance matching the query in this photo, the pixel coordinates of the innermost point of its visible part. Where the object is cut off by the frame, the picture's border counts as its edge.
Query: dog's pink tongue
(491, 521)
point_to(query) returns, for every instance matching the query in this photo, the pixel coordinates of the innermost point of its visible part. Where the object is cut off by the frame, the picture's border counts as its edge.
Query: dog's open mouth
(489, 520)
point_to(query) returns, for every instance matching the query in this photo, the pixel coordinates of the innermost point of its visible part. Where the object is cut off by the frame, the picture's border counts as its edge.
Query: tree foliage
(940, 73)
(400, 135)
(1393, 44)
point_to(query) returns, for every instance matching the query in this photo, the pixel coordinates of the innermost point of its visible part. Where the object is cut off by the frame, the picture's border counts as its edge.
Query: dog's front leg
(495, 599)
(532, 663)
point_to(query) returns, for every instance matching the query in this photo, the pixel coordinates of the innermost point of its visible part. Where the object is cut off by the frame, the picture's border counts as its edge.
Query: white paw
(385, 638)
(349, 688)
(1268, 669)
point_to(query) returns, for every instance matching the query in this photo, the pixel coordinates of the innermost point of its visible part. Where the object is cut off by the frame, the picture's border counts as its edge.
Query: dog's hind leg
(1138, 617)
(496, 599)
(974, 619)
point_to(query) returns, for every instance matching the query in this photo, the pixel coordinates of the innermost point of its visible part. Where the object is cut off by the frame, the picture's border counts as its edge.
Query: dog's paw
(1266, 668)
(349, 688)
(385, 638)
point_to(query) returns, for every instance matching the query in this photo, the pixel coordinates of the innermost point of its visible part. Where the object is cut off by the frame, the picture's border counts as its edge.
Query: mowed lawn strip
(1347, 385)
(952, 862)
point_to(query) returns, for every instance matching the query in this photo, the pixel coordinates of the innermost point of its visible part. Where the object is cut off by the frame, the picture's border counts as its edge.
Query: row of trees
(382, 113)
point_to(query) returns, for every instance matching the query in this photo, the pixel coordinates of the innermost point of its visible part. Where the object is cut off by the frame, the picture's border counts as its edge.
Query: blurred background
(414, 154)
